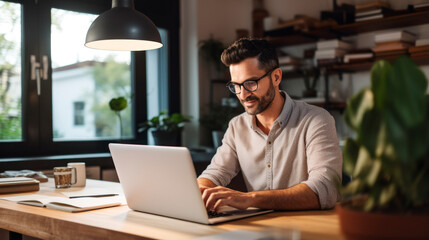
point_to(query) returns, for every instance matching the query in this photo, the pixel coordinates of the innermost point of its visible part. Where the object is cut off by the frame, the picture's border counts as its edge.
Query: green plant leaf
(379, 73)
(370, 130)
(407, 86)
(363, 162)
(387, 194)
(350, 155)
(165, 122)
(369, 204)
(118, 104)
(392, 124)
(357, 107)
(353, 187)
(374, 172)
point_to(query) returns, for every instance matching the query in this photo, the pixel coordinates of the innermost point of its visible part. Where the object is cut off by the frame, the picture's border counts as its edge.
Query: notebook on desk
(162, 181)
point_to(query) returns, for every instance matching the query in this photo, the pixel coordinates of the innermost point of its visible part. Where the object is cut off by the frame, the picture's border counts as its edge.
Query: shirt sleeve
(324, 159)
(224, 165)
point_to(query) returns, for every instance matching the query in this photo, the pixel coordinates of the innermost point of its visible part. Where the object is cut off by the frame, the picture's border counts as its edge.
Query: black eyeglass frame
(228, 85)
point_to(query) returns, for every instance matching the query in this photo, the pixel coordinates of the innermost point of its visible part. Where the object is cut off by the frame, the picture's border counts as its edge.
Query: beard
(262, 103)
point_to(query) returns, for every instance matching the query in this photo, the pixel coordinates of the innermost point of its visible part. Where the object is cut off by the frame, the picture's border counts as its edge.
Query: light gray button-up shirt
(301, 147)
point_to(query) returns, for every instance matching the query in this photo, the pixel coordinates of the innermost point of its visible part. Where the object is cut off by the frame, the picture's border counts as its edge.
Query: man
(287, 150)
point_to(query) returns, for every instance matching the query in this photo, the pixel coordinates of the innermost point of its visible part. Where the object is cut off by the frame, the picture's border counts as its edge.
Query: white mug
(80, 176)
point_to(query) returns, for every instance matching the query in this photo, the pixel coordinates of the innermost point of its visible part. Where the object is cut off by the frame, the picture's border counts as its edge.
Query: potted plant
(211, 49)
(165, 128)
(217, 119)
(311, 77)
(389, 159)
(117, 105)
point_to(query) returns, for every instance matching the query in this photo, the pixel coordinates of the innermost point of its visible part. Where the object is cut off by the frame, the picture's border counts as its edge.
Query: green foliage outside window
(111, 79)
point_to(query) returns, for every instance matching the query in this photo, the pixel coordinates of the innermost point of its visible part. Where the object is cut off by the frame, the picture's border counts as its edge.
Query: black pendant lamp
(122, 28)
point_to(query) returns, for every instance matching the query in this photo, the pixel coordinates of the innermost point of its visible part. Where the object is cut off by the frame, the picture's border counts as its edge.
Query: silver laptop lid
(159, 180)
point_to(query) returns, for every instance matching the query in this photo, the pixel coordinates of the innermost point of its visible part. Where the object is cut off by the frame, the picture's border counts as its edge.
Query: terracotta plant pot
(370, 226)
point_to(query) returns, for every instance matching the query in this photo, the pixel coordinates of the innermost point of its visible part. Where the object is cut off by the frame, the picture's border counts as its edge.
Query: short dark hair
(250, 47)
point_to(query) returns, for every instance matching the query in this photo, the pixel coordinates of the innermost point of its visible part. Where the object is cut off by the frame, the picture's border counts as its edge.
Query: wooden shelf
(354, 67)
(299, 38)
(398, 21)
(312, 36)
(366, 66)
(292, 39)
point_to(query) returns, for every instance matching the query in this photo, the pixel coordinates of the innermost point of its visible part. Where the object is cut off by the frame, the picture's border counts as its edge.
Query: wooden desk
(123, 223)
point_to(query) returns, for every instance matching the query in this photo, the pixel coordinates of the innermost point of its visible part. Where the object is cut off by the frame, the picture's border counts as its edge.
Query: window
(79, 114)
(83, 73)
(10, 72)
(54, 92)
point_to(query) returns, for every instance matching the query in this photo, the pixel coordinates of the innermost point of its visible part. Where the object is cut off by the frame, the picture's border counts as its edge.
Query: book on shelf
(373, 12)
(419, 6)
(423, 4)
(395, 36)
(390, 55)
(289, 68)
(424, 54)
(334, 43)
(328, 62)
(357, 57)
(289, 60)
(416, 49)
(372, 17)
(371, 5)
(392, 52)
(18, 184)
(329, 53)
(379, 15)
(422, 42)
(66, 204)
(392, 46)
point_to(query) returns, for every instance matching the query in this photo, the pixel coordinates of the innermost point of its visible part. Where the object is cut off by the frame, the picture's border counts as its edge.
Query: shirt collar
(281, 119)
(286, 111)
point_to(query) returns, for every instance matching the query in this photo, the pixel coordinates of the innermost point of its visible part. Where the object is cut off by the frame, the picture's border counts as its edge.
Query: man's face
(258, 101)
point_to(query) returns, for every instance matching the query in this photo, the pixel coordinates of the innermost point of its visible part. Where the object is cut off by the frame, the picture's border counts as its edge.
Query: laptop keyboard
(213, 214)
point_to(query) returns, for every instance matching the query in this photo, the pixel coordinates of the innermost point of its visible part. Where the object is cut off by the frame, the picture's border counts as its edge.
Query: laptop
(162, 181)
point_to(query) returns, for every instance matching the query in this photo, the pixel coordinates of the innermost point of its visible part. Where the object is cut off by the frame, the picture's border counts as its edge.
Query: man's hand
(298, 197)
(216, 197)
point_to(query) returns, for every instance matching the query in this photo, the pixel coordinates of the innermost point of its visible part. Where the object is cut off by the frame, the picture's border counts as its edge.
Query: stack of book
(392, 44)
(421, 48)
(358, 56)
(372, 10)
(331, 51)
(424, 6)
(289, 63)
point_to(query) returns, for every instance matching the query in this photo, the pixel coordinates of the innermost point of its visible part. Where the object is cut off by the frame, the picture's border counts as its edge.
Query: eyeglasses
(250, 85)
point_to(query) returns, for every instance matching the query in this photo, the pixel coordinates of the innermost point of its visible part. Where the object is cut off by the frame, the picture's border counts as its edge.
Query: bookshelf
(397, 21)
(406, 19)
(403, 18)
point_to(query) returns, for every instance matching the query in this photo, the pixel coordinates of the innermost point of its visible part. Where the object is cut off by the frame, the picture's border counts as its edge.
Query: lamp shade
(122, 28)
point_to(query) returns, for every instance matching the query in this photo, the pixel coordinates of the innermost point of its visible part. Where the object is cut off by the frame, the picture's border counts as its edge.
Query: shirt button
(269, 142)
(268, 165)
